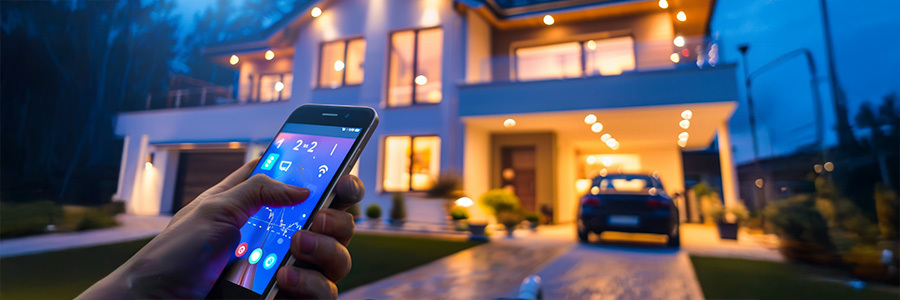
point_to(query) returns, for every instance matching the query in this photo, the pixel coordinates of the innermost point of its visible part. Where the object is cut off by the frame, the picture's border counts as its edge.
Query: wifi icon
(322, 170)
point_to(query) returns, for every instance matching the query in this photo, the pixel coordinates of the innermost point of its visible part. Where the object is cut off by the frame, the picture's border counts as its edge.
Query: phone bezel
(361, 117)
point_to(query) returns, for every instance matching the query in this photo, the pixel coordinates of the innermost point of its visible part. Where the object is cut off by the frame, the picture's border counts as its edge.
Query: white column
(135, 200)
(121, 187)
(726, 161)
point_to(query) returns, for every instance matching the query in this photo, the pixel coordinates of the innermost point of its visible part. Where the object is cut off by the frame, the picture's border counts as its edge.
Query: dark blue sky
(866, 37)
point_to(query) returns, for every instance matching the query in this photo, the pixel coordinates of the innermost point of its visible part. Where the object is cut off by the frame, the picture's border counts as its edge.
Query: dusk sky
(866, 46)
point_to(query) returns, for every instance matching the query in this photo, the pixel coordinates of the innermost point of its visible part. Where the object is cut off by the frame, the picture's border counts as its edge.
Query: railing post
(203, 97)
(177, 98)
(148, 101)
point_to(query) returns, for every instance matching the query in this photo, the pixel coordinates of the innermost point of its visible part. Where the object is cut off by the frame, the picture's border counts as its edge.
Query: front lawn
(65, 274)
(728, 278)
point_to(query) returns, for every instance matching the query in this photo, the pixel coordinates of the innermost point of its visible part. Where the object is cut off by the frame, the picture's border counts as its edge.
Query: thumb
(247, 198)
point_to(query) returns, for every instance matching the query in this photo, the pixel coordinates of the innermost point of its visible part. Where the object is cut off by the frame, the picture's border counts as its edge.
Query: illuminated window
(609, 56)
(341, 63)
(271, 87)
(415, 67)
(411, 163)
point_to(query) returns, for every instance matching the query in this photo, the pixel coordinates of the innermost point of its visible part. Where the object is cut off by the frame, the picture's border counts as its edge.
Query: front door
(517, 173)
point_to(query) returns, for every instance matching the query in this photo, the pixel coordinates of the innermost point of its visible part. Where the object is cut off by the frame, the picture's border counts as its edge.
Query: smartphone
(315, 147)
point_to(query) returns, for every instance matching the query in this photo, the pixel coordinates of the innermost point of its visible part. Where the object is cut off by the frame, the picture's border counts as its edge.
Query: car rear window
(629, 184)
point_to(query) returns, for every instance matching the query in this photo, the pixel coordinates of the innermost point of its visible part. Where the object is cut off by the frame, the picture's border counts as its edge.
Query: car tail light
(656, 203)
(590, 200)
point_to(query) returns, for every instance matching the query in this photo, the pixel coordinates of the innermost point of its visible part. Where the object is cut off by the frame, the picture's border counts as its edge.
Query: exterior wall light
(678, 41)
(234, 60)
(663, 4)
(590, 119)
(675, 58)
(509, 123)
(548, 20)
(270, 55)
(681, 16)
(687, 114)
(597, 127)
(316, 12)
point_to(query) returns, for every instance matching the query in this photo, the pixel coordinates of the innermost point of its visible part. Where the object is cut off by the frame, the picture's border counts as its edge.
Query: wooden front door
(517, 173)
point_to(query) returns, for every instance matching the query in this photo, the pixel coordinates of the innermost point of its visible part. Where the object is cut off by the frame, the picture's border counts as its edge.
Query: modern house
(533, 95)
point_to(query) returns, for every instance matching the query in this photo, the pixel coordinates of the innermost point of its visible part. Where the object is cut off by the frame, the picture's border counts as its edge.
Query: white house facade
(503, 93)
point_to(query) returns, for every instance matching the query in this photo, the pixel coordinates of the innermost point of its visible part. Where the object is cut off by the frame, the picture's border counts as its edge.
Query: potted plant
(728, 218)
(373, 212)
(354, 210)
(460, 216)
(510, 219)
(447, 187)
(534, 219)
(398, 210)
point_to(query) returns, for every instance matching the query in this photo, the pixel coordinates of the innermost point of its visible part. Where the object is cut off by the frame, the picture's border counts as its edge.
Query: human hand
(185, 259)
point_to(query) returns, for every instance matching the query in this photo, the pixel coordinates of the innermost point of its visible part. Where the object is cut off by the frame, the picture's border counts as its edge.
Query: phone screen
(304, 155)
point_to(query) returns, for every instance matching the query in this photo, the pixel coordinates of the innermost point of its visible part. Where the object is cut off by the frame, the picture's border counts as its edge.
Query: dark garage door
(198, 171)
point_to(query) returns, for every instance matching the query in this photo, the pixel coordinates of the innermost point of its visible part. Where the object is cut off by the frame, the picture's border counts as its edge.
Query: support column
(136, 197)
(726, 162)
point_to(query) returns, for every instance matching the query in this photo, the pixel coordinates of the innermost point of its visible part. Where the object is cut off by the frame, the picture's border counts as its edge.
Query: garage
(198, 170)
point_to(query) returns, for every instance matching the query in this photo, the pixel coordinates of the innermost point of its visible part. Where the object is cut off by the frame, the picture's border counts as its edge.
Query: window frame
(409, 170)
(581, 40)
(256, 86)
(415, 66)
(346, 41)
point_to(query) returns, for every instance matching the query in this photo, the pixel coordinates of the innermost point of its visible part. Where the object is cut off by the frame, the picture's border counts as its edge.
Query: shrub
(78, 218)
(718, 212)
(373, 211)
(447, 186)
(21, 219)
(398, 207)
(459, 213)
(500, 200)
(354, 210)
(886, 205)
(534, 218)
(802, 229)
(510, 219)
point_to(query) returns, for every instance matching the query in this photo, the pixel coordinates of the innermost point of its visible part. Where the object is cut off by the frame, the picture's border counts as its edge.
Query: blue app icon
(270, 261)
(270, 161)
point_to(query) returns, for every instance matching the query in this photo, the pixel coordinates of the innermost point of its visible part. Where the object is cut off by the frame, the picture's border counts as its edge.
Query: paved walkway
(131, 228)
(703, 240)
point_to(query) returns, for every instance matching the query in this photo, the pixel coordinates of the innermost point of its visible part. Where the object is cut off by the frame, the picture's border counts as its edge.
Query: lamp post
(759, 182)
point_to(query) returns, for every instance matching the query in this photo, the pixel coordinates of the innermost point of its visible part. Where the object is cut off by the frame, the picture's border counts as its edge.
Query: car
(632, 203)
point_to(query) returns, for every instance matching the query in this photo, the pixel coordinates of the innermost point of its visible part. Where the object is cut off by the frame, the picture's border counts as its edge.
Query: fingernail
(292, 275)
(307, 243)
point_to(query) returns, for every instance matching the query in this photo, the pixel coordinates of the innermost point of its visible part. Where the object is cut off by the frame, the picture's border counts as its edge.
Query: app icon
(255, 256)
(322, 170)
(270, 161)
(241, 249)
(284, 165)
(270, 261)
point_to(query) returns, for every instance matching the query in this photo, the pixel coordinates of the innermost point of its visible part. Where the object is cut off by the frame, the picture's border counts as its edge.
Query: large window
(415, 67)
(342, 63)
(270, 87)
(609, 56)
(411, 163)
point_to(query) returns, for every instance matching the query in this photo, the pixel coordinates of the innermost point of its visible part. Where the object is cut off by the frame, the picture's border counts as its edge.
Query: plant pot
(374, 222)
(509, 231)
(461, 225)
(476, 232)
(533, 226)
(396, 223)
(728, 231)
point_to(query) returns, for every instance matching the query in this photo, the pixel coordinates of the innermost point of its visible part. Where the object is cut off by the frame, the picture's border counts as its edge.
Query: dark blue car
(631, 203)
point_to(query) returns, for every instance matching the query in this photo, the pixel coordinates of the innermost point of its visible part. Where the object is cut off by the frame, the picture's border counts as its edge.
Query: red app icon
(241, 249)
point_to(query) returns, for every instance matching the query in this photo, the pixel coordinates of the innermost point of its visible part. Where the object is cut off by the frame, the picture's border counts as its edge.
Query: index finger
(348, 191)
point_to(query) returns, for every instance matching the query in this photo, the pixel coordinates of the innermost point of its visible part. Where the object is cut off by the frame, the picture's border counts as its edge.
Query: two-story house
(533, 95)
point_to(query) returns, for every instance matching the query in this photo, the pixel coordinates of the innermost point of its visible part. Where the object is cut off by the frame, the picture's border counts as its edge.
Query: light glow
(663, 4)
(148, 165)
(683, 135)
(548, 20)
(234, 60)
(682, 143)
(681, 16)
(675, 58)
(684, 124)
(316, 12)
(829, 166)
(338, 65)
(591, 159)
(687, 114)
(582, 185)
(592, 45)
(421, 80)
(509, 123)
(590, 119)
(605, 137)
(759, 182)
(679, 41)
(597, 127)
(464, 202)
(279, 86)
(270, 55)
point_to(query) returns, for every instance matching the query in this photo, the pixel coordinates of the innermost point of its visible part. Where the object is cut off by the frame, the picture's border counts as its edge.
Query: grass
(65, 274)
(728, 278)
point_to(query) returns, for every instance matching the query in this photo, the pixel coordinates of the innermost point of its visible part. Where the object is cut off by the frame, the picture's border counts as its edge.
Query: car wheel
(583, 236)
(674, 239)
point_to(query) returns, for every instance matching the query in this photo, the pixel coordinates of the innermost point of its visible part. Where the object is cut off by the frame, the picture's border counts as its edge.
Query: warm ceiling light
(591, 159)
(316, 12)
(683, 135)
(234, 60)
(338, 65)
(605, 137)
(592, 45)
(684, 124)
(509, 123)
(682, 143)
(829, 166)
(421, 80)
(590, 119)
(679, 41)
(548, 20)
(681, 16)
(279, 86)
(687, 114)
(663, 4)
(675, 58)
(597, 127)
(270, 55)
(615, 146)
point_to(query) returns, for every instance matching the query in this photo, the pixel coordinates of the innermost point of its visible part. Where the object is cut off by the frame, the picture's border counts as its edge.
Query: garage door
(198, 171)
